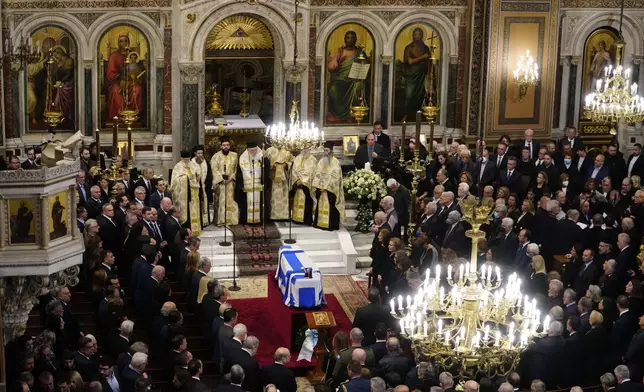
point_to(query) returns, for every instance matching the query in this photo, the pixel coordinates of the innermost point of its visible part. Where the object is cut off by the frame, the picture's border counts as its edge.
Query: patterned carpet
(349, 293)
(256, 253)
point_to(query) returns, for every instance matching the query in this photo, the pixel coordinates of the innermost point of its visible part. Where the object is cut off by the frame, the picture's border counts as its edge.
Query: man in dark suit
(120, 343)
(529, 143)
(576, 143)
(624, 260)
(83, 188)
(30, 163)
(236, 380)
(84, 359)
(107, 264)
(500, 160)
(94, 205)
(395, 360)
(195, 367)
(506, 242)
(134, 370)
(171, 231)
(573, 353)
(510, 177)
(598, 170)
(622, 332)
(109, 230)
(588, 273)
(155, 294)
(371, 152)
(624, 382)
(203, 268)
(566, 233)
(635, 165)
(616, 164)
(584, 307)
(217, 324)
(633, 357)
(609, 282)
(72, 327)
(209, 307)
(379, 348)
(148, 182)
(381, 137)
(108, 374)
(226, 335)
(278, 374)
(81, 217)
(120, 211)
(485, 172)
(244, 357)
(454, 237)
(543, 360)
(158, 195)
(369, 316)
(521, 259)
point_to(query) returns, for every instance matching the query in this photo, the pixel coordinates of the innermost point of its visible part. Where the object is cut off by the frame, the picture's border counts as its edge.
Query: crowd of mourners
(568, 220)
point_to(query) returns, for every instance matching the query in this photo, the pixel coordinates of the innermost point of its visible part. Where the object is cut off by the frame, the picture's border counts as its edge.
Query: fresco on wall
(599, 53)
(415, 47)
(347, 45)
(124, 61)
(54, 63)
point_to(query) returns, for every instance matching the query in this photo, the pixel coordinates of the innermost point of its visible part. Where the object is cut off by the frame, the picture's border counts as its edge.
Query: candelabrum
(53, 115)
(296, 136)
(216, 109)
(615, 98)
(21, 55)
(526, 74)
(244, 98)
(463, 320)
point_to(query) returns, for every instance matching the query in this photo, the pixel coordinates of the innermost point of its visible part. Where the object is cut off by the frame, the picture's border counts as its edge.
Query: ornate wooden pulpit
(323, 322)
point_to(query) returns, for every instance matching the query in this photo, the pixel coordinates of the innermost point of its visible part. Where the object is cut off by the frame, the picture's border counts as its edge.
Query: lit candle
(392, 307)
(486, 334)
(449, 271)
(489, 273)
(400, 303)
(441, 295)
(460, 272)
(427, 272)
(447, 336)
(438, 271)
(498, 274)
(440, 326)
(546, 323)
(497, 338)
(467, 269)
(402, 326)
(367, 166)
(408, 301)
(425, 329)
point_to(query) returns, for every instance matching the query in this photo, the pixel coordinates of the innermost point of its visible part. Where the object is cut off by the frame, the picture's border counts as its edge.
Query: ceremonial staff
(252, 189)
(225, 242)
(263, 206)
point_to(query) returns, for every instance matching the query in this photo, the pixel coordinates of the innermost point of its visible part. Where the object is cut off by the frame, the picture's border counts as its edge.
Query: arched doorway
(239, 54)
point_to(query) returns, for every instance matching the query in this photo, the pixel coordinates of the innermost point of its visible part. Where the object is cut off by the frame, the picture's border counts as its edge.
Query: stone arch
(631, 30)
(78, 32)
(434, 19)
(155, 43)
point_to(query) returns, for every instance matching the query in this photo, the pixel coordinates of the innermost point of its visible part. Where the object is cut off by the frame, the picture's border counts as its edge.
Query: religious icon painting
(349, 74)
(22, 217)
(123, 75)
(600, 53)
(417, 55)
(350, 145)
(58, 215)
(50, 79)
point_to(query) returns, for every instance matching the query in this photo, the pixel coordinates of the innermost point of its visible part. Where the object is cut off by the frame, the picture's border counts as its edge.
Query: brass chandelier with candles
(466, 320)
(615, 98)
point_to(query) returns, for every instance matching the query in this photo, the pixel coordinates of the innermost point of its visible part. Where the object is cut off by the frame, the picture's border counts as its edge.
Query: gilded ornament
(190, 18)
(240, 32)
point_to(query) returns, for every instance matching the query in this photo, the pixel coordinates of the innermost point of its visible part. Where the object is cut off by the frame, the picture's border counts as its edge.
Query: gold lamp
(215, 108)
(464, 319)
(129, 113)
(360, 110)
(526, 74)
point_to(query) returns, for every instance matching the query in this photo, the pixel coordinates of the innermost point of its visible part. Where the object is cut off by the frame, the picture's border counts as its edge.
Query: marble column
(3, 223)
(44, 216)
(452, 86)
(572, 113)
(565, 90)
(89, 129)
(191, 73)
(73, 190)
(160, 68)
(167, 81)
(638, 73)
(384, 90)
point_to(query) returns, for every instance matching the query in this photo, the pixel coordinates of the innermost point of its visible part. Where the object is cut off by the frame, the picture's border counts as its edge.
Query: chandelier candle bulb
(447, 337)
(400, 303)
(486, 334)
(441, 296)
(425, 329)
(392, 304)
(460, 272)
(489, 273)
(408, 301)
(438, 271)
(402, 326)
(498, 274)
(467, 270)
(440, 326)
(497, 338)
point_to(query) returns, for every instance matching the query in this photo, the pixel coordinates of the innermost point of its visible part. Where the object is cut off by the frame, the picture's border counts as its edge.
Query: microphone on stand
(225, 241)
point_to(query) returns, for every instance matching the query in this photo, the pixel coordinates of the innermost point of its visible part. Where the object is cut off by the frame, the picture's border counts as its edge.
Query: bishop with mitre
(185, 187)
(327, 191)
(280, 160)
(224, 168)
(251, 184)
(301, 178)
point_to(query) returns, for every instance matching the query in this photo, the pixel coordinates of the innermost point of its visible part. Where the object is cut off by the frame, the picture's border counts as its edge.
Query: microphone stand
(252, 190)
(290, 240)
(234, 287)
(225, 242)
(263, 206)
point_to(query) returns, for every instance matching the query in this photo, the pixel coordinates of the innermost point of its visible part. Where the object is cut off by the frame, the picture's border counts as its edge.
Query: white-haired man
(387, 205)
(454, 237)
(134, 370)
(402, 200)
(121, 343)
(544, 359)
(463, 191)
(506, 242)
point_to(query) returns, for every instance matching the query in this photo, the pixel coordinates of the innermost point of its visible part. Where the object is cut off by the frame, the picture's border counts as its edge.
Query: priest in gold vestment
(327, 191)
(206, 181)
(280, 160)
(185, 187)
(252, 182)
(301, 177)
(224, 167)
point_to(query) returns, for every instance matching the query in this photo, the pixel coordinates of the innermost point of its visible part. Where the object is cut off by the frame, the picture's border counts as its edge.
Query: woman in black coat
(595, 349)
(525, 220)
(379, 253)
(538, 282)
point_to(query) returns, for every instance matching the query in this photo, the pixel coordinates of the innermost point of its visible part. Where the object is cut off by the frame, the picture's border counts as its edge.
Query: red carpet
(270, 320)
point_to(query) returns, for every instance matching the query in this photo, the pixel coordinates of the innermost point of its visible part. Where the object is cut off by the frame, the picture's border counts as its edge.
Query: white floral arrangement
(365, 185)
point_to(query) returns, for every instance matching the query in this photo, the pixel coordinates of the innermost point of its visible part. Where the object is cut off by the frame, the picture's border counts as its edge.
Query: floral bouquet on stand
(366, 187)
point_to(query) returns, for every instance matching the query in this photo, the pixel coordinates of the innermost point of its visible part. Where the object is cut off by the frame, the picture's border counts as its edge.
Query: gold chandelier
(298, 135)
(466, 322)
(615, 98)
(526, 74)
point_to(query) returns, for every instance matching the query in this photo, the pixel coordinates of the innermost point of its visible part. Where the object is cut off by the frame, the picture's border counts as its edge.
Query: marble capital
(294, 73)
(191, 72)
(574, 60)
(386, 59)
